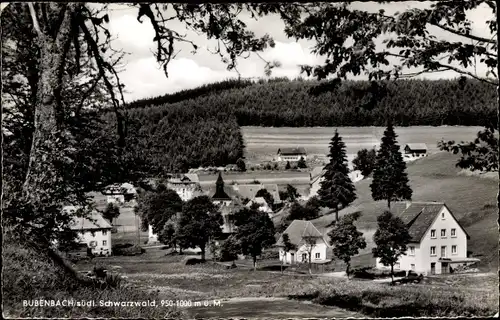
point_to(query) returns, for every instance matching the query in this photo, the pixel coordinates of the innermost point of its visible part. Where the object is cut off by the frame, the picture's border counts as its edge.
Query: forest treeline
(201, 126)
(162, 140)
(296, 103)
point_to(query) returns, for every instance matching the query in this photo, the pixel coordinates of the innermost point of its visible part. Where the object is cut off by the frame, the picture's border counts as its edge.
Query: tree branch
(469, 36)
(36, 26)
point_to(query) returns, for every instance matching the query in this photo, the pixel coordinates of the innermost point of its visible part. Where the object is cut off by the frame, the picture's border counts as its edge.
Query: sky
(143, 77)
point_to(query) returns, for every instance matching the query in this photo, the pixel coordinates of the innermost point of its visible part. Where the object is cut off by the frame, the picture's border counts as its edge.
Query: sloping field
(435, 178)
(262, 143)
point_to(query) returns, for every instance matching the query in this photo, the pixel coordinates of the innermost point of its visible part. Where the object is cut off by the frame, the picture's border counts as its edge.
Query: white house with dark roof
(249, 191)
(186, 185)
(262, 205)
(94, 231)
(438, 241)
(299, 231)
(414, 151)
(291, 154)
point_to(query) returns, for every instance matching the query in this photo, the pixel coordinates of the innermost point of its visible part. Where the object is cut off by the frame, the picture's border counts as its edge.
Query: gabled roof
(221, 195)
(292, 151)
(248, 191)
(95, 221)
(299, 229)
(416, 146)
(419, 217)
(228, 190)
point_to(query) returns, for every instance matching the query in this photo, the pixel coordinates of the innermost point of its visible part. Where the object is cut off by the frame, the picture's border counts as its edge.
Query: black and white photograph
(250, 160)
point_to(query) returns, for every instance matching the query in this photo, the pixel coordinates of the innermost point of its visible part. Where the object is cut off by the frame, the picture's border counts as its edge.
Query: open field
(435, 178)
(262, 143)
(240, 290)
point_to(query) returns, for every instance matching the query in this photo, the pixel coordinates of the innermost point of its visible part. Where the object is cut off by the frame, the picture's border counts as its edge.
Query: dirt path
(270, 308)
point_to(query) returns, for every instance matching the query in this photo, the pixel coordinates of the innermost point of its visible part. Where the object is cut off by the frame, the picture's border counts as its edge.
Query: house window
(453, 249)
(104, 232)
(443, 233)
(412, 251)
(412, 267)
(443, 251)
(304, 257)
(317, 255)
(104, 243)
(433, 251)
(442, 215)
(453, 233)
(433, 233)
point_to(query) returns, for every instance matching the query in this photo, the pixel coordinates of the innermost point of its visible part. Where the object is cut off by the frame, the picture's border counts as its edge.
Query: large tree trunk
(498, 107)
(347, 269)
(202, 252)
(337, 213)
(254, 263)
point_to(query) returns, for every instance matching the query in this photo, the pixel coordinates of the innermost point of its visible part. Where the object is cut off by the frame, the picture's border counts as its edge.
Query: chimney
(408, 204)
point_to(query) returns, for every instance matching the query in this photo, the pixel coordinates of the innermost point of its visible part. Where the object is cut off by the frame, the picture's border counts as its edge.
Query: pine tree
(390, 180)
(337, 188)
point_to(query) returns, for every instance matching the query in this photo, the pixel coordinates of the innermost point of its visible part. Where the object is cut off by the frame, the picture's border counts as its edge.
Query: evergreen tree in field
(337, 188)
(390, 180)
(302, 163)
(288, 166)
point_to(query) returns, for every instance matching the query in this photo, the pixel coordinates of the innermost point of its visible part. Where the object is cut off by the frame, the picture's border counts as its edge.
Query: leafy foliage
(288, 166)
(346, 239)
(390, 179)
(167, 235)
(267, 196)
(291, 193)
(111, 212)
(230, 249)
(301, 163)
(365, 161)
(337, 188)
(390, 239)
(199, 222)
(481, 154)
(240, 163)
(157, 207)
(255, 232)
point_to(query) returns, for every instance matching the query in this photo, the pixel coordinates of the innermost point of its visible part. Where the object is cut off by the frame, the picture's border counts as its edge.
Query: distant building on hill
(438, 241)
(291, 154)
(228, 205)
(119, 193)
(415, 150)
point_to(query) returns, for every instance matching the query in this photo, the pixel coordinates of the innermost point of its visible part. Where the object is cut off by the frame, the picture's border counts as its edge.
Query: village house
(249, 191)
(291, 154)
(415, 150)
(119, 193)
(316, 177)
(186, 185)
(438, 241)
(306, 237)
(94, 231)
(261, 204)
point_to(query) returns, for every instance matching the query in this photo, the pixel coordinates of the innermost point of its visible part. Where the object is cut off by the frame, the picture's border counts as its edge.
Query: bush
(128, 250)
(268, 255)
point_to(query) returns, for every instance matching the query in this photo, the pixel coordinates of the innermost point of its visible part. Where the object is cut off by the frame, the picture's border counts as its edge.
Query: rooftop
(292, 151)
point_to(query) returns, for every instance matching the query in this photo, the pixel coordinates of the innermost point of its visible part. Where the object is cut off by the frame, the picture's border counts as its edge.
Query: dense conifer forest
(199, 127)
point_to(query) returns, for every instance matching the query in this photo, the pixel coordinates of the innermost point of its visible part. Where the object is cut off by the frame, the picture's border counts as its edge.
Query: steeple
(219, 189)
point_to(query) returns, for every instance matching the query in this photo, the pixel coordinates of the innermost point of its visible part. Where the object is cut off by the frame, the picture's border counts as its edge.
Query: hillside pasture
(435, 178)
(262, 143)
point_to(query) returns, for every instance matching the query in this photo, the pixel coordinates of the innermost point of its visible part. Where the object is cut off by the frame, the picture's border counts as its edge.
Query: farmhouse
(94, 231)
(316, 177)
(262, 205)
(186, 185)
(249, 191)
(291, 154)
(119, 193)
(438, 242)
(306, 238)
(415, 150)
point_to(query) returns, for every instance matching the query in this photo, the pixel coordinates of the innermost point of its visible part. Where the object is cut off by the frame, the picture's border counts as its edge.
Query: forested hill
(281, 102)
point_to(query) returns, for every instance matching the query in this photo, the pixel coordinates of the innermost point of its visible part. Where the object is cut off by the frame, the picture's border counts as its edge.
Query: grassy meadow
(262, 143)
